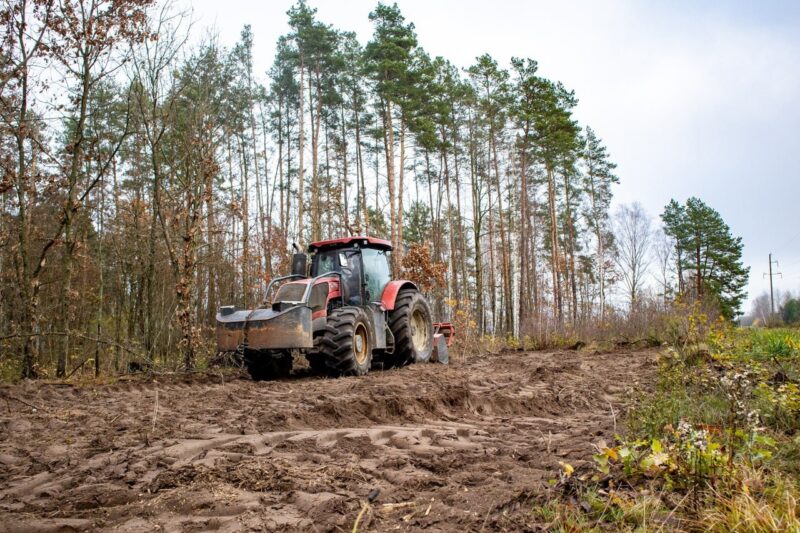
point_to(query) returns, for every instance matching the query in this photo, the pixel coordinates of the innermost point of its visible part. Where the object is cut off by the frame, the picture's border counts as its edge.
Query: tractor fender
(392, 289)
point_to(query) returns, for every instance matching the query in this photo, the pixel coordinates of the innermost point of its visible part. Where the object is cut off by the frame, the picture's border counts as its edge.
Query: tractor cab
(349, 271)
(361, 263)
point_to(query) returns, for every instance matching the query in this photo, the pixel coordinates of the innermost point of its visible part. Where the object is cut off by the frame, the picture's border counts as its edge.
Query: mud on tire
(268, 364)
(412, 327)
(344, 347)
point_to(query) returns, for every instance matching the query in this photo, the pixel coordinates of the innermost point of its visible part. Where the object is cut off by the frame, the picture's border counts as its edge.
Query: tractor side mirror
(299, 262)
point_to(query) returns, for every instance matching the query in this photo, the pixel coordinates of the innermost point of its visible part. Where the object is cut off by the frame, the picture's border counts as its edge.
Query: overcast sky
(691, 99)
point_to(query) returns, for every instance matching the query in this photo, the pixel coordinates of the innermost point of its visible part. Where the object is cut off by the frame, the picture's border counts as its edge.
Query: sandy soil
(458, 448)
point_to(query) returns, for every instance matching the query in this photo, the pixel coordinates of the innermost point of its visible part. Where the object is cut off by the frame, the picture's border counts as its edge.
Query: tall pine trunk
(555, 261)
(398, 251)
(570, 247)
(301, 150)
(507, 323)
(316, 120)
(477, 224)
(388, 145)
(524, 285)
(362, 187)
(245, 185)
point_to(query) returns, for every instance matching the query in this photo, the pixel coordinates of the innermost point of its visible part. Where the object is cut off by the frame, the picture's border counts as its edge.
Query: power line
(791, 239)
(793, 263)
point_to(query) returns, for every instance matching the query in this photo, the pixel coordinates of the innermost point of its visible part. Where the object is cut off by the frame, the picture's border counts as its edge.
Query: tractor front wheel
(268, 364)
(412, 327)
(344, 348)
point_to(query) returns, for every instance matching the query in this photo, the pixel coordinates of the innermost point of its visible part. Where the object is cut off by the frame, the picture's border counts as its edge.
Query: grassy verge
(716, 448)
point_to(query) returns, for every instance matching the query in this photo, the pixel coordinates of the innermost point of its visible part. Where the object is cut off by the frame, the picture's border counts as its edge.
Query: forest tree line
(147, 180)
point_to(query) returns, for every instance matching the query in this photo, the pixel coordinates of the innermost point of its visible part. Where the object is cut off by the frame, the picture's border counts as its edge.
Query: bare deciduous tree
(633, 239)
(663, 250)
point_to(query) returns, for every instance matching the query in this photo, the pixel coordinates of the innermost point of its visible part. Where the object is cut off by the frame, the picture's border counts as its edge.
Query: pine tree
(284, 98)
(598, 179)
(388, 59)
(790, 311)
(417, 221)
(522, 111)
(709, 257)
(355, 100)
(555, 134)
(492, 90)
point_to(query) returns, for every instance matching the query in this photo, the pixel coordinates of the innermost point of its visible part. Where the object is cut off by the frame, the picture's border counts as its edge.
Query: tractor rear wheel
(412, 327)
(345, 346)
(268, 364)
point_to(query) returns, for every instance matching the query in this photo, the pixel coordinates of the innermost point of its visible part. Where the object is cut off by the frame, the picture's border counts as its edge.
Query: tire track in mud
(449, 448)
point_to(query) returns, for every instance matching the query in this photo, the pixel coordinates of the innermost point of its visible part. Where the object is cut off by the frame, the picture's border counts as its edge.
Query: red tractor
(345, 317)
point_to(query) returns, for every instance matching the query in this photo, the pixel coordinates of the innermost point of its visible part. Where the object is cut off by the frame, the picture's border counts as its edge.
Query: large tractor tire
(412, 327)
(268, 364)
(344, 348)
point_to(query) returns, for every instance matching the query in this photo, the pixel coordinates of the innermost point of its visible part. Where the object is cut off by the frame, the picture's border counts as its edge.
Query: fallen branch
(71, 334)
(78, 367)
(9, 397)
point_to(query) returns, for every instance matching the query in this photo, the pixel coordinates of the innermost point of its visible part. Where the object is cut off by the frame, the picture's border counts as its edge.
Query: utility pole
(771, 293)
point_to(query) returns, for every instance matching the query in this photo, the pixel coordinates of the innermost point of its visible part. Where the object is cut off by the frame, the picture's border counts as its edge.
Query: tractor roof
(364, 242)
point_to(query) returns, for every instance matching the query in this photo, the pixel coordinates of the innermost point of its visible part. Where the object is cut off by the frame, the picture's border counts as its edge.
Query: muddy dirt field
(458, 448)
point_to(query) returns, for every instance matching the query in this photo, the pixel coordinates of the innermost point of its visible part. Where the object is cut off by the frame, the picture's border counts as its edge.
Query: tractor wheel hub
(359, 343)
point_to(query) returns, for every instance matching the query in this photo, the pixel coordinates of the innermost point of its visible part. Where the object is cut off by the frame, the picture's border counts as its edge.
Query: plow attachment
(442, 340)
(264, 329)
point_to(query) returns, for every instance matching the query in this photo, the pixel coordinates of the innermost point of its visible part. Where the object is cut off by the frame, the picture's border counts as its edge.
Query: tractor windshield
(376, 272)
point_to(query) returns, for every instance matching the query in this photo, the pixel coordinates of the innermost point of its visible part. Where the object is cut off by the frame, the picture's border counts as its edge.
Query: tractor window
(348, 264)
(376, 272)
(332, 261)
